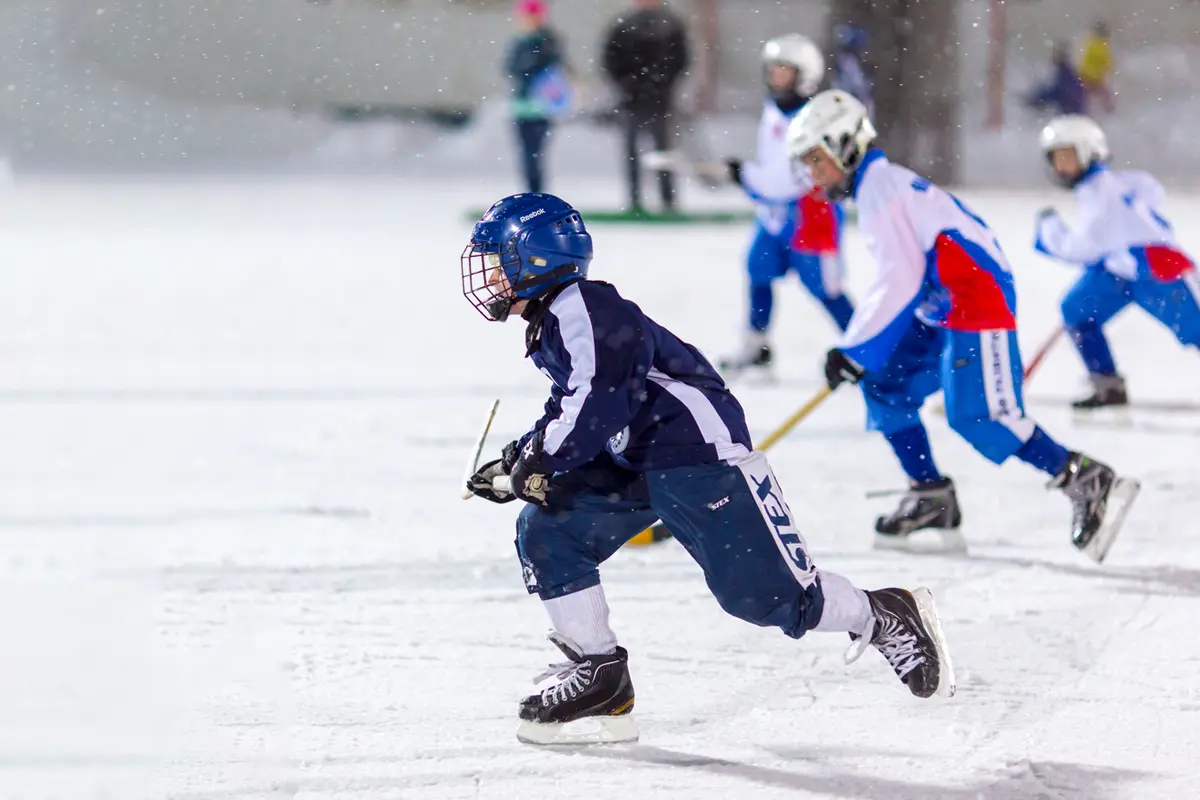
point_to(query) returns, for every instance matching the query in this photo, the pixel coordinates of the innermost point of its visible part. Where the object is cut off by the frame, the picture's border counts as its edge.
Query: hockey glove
(839, 369)
(734, 166)
(528, 482)
(480, 484)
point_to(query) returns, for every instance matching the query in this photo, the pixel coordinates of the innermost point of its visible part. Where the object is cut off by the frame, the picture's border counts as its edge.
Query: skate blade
(933, 623)
(1104, 417)
(587, 730)
(928, 541)
(1120, 497)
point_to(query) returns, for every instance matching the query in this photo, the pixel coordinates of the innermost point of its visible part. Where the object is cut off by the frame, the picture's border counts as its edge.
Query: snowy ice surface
(234, 562)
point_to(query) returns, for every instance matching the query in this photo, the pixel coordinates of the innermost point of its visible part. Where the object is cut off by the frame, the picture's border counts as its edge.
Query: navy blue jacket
(625, 385)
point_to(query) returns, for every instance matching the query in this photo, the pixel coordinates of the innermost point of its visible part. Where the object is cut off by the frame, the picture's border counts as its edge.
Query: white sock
(846, 607)
(582, 617)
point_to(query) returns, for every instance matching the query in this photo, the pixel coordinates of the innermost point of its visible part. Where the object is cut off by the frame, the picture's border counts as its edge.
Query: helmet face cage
(488, 272)
(846, 152)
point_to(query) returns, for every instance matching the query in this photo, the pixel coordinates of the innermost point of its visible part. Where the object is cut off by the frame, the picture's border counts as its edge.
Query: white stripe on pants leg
(998, 388)
(778, 517)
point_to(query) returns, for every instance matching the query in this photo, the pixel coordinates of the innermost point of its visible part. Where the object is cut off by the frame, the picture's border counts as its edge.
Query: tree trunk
(912, 56)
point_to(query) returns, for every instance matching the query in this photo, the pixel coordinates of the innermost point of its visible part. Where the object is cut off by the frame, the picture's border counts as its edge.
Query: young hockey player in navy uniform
(639, 426)
(1126, 246)
(793, 68)
(941, 313)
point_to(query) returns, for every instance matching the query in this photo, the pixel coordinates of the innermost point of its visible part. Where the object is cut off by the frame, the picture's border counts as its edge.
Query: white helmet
(797, 51)
(1078, 131)
(836, 122)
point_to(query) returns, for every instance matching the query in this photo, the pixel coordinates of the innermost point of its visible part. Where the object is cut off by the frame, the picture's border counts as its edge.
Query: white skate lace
(573, 680)
(558, 670)
(899, 647)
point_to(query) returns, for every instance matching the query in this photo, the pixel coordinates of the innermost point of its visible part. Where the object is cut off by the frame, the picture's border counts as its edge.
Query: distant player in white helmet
(795, 230)
(940, 314)
(1126, 246)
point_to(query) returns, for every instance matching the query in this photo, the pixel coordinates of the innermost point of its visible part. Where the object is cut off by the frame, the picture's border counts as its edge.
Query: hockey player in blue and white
(793, 68)
(639, 426)
(940, 314)
(1126, 246)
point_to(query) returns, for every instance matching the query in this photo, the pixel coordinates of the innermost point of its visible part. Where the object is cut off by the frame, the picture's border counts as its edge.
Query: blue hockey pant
(1099, 295)
(771, 257)
(980, 374)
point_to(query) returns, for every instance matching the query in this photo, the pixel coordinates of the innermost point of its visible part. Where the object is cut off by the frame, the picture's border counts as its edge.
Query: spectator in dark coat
(645, 55)
(1063, 93)
(531, 56)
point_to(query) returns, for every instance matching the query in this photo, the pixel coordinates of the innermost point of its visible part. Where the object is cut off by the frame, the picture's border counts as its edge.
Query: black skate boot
(1099, 499)
(926, 506)
(1108, 391)
(907, 631)
(590, 701)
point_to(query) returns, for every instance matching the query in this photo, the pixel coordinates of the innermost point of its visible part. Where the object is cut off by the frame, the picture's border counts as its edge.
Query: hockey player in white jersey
(940, 314)
(1127, 249)
(796, 229)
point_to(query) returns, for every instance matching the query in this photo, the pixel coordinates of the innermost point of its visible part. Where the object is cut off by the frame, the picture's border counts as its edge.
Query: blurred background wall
(158, 85)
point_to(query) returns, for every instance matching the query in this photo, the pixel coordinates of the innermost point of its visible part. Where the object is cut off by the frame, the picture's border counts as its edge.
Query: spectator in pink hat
(536, 68)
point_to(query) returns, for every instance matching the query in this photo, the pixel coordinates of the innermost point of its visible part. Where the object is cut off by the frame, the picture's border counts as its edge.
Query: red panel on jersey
(977, 302)
(817, 231)
(1166, 263)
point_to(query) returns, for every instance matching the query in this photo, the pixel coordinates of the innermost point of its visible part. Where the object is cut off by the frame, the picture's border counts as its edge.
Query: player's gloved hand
(734, 167)
(839, 369)
(480, 484)
(528, 482)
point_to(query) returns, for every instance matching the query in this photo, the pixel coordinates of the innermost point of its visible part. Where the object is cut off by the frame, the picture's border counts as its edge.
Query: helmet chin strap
(499, 308)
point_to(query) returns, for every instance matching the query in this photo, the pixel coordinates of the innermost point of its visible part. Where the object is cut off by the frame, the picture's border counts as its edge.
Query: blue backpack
(552, 92)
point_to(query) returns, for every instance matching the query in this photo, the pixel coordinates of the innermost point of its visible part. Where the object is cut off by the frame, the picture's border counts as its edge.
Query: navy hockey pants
(731, 519)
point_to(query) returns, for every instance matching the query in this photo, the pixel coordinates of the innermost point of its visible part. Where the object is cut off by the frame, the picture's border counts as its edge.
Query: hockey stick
(1038, 357)
(657, 531)
(473, 463)
(711, 175)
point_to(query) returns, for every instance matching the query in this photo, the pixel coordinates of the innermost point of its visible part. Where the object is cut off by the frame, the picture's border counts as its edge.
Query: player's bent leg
(588, 698)
(1176, 304)
(758, 571)
(766, 261)
(821, 275)
(893, 398)
(1095, 299)
(984, 406)
(736, 524)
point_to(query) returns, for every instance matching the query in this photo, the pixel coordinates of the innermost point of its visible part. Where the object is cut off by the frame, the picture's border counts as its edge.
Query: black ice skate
(1099, 499)
(1108, 392)
(906, 630)
(931, 506)
(589, 702)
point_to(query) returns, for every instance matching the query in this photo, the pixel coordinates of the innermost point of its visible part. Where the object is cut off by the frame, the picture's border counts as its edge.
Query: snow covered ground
(234, 562)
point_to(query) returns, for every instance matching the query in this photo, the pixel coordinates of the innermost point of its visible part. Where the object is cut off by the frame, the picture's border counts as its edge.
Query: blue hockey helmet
(524, 246)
